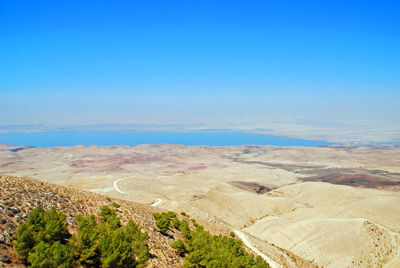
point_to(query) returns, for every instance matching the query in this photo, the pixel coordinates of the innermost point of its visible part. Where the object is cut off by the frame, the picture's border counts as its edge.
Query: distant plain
(333, 206)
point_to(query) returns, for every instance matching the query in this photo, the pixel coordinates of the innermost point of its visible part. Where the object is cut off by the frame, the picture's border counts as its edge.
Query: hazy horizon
(318, 70)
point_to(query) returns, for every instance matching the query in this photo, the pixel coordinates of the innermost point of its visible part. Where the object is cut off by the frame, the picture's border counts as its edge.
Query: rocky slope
(19, 196)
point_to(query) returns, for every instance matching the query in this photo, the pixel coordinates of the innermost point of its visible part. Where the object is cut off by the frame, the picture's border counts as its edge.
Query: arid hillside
(298, 206)
(19, 196)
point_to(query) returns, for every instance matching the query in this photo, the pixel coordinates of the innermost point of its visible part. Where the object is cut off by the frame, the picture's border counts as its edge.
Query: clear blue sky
(70, 61)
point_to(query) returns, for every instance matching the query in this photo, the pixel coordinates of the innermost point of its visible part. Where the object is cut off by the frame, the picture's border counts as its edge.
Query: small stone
(10, 214)
(14, 210)
(5, 258)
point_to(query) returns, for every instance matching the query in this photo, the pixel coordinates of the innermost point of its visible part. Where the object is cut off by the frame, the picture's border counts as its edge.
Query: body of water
(49, 139)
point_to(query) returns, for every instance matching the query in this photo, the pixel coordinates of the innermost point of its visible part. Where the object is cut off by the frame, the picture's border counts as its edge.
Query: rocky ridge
(18, 196)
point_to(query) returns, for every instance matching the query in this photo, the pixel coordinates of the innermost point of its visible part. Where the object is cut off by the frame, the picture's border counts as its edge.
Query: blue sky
(70, 62)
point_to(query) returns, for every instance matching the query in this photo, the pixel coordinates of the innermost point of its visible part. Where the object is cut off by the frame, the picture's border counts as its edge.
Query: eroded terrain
(326, 206)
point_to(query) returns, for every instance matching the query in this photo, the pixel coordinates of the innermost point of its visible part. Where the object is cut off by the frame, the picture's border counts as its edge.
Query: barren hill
(300, 206)
(19, 196)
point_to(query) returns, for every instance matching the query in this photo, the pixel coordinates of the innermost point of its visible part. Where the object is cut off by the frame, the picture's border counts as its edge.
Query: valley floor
(297, 206)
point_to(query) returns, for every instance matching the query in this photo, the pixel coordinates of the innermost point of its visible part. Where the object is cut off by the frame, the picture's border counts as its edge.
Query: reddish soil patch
(252, 187)
(118, 159)
(357, 180)
(196, 168)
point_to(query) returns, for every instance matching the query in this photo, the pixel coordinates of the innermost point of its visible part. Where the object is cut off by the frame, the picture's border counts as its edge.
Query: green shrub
(175, 222)
(116, 205)
(163, 224)
(43, 241)
(206, 250)
(115, 250)
(184, 214)
(45, 228)
(202, 249)
(36, 219)
(106, 212)
(108, 242)
(124, 247)
(50, 255)
(164, 220)
(55, 228)
(25, 241)
(84, 242)
(185, 229)
(179, 246)
(109, 218)
(138, 241)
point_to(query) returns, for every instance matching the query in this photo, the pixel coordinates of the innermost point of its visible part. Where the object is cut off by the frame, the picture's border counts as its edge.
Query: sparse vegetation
(202, 249)
(44, 241)
(116, 205)
(179, 246)
(184, 214)
(164, 220)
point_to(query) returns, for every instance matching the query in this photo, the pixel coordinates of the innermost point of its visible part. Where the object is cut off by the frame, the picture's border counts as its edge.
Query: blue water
(49, 139)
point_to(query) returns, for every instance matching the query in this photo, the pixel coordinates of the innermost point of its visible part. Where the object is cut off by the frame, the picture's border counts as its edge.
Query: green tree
(36, 219)
(164, 220)
(50, 255)
(138, 241)
(24, 241)
(84, 242)
(55, 228)
(163, 224)
(124, 247)
(109, 218)
(43, 241)
(179, 246)
(116, 250)
(48, 227)
(201, 249)
(116, 205)
(185, 229)
(106, 212)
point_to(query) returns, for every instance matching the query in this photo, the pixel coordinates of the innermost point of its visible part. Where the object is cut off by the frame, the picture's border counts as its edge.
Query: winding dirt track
(243, 237)
(116, 185)
(239, 233)
(158, 202)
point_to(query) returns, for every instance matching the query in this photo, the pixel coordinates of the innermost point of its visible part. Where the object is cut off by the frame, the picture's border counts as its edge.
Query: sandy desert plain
(332, 206)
